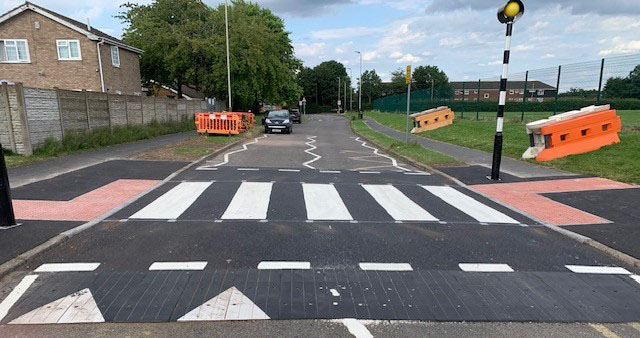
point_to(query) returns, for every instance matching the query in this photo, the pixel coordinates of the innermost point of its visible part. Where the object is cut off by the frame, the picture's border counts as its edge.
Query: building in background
(490, 91)
(44, 49)
(189, 93)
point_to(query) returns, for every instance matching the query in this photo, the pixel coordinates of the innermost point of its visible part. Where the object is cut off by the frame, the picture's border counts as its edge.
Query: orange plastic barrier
(248, 120)
(432, 119)
(218, 123)
(586, 132)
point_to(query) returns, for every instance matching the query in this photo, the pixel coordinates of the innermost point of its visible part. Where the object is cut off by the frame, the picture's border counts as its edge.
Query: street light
(350, 89)
(507, 14)
(360, 88)
(226, 23)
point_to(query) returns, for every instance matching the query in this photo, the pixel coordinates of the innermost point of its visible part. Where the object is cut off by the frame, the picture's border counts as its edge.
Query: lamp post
(339, 95)
(226, 23)
(507, 14)
(350, 89)
(360, 88)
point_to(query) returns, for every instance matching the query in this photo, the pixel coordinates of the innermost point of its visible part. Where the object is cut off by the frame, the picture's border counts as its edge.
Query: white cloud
(491, 63)
(521, 48)
(309, 50)
(622, 47)
(548, 56)
(408, 58)
(343, 33)
(453, 42)
(396, 55)
(369, 56)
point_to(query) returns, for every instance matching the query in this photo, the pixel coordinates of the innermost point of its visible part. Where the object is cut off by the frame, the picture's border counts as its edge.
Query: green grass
(618, 162)
(412, 150)
(77, 141)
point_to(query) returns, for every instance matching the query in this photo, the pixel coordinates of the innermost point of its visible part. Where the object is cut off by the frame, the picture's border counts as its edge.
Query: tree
(423, 76)
(184, 42)
(322, 81)
(371, 85)
(306, 78)
(629, 87)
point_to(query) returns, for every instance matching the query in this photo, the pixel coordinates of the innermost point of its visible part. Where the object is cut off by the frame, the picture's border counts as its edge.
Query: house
(41, 48)
(490, 91)
(188, 92)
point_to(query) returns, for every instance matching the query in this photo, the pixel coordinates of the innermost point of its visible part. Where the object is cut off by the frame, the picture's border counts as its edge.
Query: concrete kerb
(23, 258)
(627, 259)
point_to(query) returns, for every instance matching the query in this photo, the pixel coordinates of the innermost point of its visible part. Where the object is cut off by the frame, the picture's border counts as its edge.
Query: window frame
(70, 58)
(117, 53)
(26, 44)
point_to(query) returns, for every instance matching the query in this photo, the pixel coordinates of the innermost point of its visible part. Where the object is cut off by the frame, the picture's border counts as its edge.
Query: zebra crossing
(263, 201)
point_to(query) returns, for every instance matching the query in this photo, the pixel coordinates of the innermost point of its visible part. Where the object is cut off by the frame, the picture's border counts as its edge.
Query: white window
(14, 51)
(511, 92)
(68, 50)
(457, 92)
(115, 56)
(466, 92)
(486, 95)
(541, 92)
(475, 91)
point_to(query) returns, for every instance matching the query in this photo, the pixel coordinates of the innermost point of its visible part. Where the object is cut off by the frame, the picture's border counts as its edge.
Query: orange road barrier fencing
(218, 123)
(432, 119)
(574, 132)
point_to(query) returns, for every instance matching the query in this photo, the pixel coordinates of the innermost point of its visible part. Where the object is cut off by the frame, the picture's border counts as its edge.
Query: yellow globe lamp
(512, 9)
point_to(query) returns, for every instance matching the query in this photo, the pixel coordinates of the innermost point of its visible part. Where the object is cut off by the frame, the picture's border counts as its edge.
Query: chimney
(88, 25)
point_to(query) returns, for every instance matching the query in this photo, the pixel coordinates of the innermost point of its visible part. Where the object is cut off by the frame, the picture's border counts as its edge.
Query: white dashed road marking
(468, 205)
(251, 201)
(397, 204)
(611, 270)
(179, 266)
(67, 267)
(174, 202)
(15, 294)
(480, 267)
(323, 202)
(385, 266)
(281, 265)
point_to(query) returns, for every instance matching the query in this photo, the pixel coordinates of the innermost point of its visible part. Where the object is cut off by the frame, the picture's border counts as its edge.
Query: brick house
(44, 49)
(490, 91)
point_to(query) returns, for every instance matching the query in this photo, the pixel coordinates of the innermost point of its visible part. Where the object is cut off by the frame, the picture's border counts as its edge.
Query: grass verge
(619, 162)
(412, 151)
(83, 140)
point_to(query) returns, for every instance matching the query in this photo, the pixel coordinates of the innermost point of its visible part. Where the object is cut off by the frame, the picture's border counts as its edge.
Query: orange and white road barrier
(571, 133)
(218, 123)
(432, 119)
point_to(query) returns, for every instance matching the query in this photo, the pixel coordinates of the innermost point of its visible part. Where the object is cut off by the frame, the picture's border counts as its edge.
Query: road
(313, 225)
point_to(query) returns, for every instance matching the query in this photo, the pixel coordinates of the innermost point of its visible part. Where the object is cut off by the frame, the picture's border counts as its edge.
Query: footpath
(600, 212)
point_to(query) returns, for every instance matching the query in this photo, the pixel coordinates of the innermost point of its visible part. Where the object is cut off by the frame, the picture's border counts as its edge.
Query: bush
(81, 140)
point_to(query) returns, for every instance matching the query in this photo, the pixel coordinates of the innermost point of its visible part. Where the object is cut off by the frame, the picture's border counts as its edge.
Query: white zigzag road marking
(375, 151)
(244, 147)
(312, 139)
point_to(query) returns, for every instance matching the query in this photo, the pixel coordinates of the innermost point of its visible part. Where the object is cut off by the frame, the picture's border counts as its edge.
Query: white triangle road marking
(229, 305)
(78, 307)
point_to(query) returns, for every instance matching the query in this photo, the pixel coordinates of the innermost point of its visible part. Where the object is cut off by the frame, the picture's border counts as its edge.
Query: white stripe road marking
(329, 171)
(289, 170)
(244, 147)
(356, 328)
(78, 307)
(419, 173)
(15, 294)
(469, 206)
(67, 267)
(248, 169)
(174, 202)
(634, 277)
(281, 265)
(324, 203)
(251, 201)
(182, 266)
(385, 266)
(375, 151)
(206, 168)
(481, 267)
(612, 270)
(228, 305)
(397, 204)
(312, 140)
(369, 172)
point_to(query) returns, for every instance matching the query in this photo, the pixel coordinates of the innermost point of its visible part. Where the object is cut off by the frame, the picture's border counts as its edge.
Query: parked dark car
(295, 115)
(278, 121)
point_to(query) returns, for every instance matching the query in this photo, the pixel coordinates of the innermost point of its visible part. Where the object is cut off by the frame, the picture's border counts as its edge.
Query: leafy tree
(184, 42)
(423, 76)
(322, 81)
(629, 87)
(579, 92)
(371, 85)
(306, 78)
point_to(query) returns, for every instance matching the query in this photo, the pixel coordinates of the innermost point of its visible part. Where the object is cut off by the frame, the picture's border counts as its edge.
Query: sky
(462, 37)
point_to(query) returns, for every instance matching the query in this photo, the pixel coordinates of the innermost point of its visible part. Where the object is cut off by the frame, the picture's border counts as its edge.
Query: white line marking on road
(248, 169)
(369, 172)
(182, 266)
(385, 266)
(174, 202)
(634, 277)
(282, 265)
(312, 139)
(231, 304)
(15, 294)
(469, 206)
(356, 328)
(482, 267)
(611, 270)
(334, 292)
(329, 171)
(78, 307)
(419, 173)
(397, 204)
(289, 170)
(251, 201)
(217, 221)
(375, 151)
(67, 267)
(323, 202)
(244, 147)
(206, 168)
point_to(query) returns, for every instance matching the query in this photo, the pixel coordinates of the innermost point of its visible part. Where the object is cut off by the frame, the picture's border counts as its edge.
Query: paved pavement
(313, 225)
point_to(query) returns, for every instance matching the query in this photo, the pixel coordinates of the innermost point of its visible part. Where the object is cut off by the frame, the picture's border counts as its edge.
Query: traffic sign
(408, 74)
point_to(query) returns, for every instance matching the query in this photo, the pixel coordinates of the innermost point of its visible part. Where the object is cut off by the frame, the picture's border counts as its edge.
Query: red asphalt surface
(526, 197)
(85, 207)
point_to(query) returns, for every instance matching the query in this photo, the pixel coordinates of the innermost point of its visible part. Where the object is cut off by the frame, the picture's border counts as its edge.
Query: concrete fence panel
(161, 109)
(134, 109)
(148, 109)
(118, 110)
(73, 107)
(172, 110)
(43, 115)
(182, 109)
(98, 108)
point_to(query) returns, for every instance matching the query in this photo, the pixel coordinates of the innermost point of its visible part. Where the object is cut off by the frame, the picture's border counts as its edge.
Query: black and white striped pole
(507, 14)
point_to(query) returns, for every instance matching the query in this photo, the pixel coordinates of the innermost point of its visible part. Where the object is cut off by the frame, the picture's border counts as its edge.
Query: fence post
(126, 109)
(109, 112)
(60, 112)
(5, 98)
(463, 83)
(22, 111)
(600, 82)
(86, 106)
(478, 100)
(524, 94)
(555, 103)
(155, 112)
